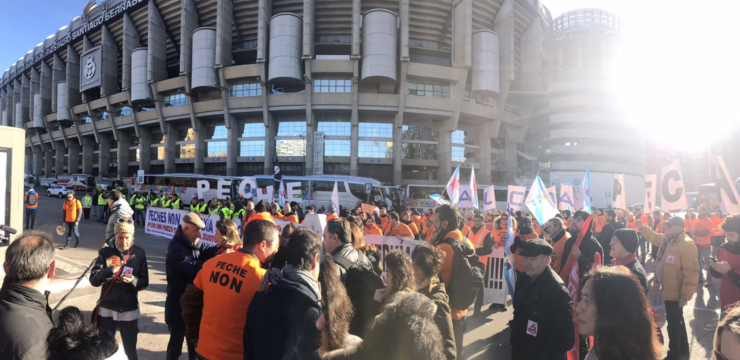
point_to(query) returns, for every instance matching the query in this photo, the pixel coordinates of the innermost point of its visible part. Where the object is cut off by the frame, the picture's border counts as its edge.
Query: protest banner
(164, 222)
(651, 183)
(315, 222)
(619, 195)
(367, 208)
(494, 289)
(672, 190)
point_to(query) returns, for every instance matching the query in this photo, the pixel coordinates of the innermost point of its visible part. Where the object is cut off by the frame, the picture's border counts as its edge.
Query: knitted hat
(124, 227)
(628, 238)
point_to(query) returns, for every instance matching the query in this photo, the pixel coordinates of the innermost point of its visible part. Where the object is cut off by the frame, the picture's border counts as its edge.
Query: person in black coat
(120, 308)
(607, 233)
(589, 245)
(186, 254)
(624, 252)
(543, 310)
(281, 320)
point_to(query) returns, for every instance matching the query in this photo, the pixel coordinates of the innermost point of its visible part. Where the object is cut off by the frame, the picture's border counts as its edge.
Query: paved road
(487, 338)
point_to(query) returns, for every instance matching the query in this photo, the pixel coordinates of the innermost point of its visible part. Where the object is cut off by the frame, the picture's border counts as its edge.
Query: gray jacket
(120, 209)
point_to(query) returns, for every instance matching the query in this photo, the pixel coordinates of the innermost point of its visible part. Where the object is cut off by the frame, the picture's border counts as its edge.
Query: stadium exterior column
(200, 146)
(49, 162)
(104, 154)
(73, 156)
(484, 175)
(38, 167)
(145, 151)
(59, 163)
(444, 154)
(232, 148)
(124, 142)
(88, 146)
(170, 150)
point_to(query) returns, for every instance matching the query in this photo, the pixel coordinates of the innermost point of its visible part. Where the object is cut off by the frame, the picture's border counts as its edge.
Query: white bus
(317, 189)
(417, 196)
(184, 185)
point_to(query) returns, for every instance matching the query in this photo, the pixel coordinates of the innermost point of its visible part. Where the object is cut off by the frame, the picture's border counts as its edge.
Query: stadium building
(401, 91)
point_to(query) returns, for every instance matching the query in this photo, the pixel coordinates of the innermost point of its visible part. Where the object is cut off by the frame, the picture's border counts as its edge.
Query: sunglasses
(125, 220)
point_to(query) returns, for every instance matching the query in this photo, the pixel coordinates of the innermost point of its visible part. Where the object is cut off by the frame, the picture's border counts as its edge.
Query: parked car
(59, 191)
(47, 182)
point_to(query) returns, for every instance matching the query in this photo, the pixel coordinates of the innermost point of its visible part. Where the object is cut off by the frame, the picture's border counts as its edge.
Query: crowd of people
(266, 292)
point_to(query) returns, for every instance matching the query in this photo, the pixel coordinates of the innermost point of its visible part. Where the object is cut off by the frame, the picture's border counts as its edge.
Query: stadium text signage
(91, 22)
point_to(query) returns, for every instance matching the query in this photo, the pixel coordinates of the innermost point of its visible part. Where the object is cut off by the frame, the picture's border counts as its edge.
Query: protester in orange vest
(399, 229)
(72, 214)
(32, 203)
(690, 223)
(222, 291)
(428, 231)
(483, 242)
(702, 238)
(385, 223)
(718, 236)
(446, 221)
(331, 212)
(406, 219)
(599, 222)
(260, 213)
(370, 228)
(416, 218)
(289, 215)
(557, 236)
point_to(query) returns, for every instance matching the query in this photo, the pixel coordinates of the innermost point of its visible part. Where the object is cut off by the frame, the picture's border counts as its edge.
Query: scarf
(629, 259)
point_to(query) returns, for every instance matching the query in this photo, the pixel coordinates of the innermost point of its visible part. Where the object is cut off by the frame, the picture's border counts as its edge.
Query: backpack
(361, 282)
(467, 276)
(32, 199)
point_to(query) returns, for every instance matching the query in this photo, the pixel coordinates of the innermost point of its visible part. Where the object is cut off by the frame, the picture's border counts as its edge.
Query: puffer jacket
(680, 265)
(120, 209)
(122, 296)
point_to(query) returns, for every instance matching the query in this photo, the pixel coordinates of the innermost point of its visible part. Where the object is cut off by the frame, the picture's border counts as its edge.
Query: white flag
(566, 200)
(728, 196)
(335, 197)
(489, 198)
(672, 190)
(515, 199)
(539, 202)
(619, 196)
(651, 183)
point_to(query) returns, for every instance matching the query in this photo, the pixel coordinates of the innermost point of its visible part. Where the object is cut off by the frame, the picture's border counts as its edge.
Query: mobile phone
(712, 258)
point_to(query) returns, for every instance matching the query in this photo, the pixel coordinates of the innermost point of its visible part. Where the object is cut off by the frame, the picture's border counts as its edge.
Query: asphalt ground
(487, 337)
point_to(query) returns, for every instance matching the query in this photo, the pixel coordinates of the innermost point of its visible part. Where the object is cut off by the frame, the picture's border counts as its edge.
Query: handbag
(94, 317)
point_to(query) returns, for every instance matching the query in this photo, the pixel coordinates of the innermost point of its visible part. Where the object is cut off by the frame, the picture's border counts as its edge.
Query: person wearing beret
(543, 310)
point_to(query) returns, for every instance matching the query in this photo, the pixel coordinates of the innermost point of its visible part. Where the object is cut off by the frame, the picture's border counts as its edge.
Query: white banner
(619, 196)
(489, 198)
(515, 198)
(466, 197)
(494, 284)
(728, 196)
(552, 193)
(566, 200)
(672, 190)
(651, 183)
(164, 222)
(315, 222)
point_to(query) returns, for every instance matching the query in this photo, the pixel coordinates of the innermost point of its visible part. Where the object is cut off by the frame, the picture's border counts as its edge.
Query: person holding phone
(121, 271)
(727, 263)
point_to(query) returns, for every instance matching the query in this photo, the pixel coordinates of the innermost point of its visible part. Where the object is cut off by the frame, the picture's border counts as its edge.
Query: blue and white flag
(539, 202)
(586, 192)
(281, 194)
(473, 189)
(509, 263)
(438, 199)
(453, 186)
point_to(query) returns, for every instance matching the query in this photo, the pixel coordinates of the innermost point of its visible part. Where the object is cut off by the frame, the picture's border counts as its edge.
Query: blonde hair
(230, 232)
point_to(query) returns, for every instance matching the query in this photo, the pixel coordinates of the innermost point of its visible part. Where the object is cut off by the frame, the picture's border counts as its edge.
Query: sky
(679, 73)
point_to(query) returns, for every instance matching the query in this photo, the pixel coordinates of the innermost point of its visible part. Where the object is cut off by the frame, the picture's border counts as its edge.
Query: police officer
(86, 203)
(176, 202)
(155, 201)
(194, 204)
(543, 310)
(202, 207)
(224, 212)
(166, 202)
(102, 206)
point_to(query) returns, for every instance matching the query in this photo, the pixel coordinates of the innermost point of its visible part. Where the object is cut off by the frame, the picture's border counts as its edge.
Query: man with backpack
(461, 271)
(32, 203)
(356, 272)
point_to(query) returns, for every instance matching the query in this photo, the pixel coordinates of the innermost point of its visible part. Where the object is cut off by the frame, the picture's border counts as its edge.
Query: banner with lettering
(494, 289)
(672, 190)
(315, 222)
(164, 222)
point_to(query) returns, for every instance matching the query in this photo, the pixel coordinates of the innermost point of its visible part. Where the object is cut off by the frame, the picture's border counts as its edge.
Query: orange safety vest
(477, 239)
(717, 229)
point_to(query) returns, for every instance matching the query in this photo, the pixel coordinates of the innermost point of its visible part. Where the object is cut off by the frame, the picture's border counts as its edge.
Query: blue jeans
(704, 262)
(101, 212)
(70, 228)
(139, 217)
(30, 217)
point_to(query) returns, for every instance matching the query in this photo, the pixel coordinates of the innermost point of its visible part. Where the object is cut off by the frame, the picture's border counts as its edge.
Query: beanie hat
(124, 227)
(628, 238)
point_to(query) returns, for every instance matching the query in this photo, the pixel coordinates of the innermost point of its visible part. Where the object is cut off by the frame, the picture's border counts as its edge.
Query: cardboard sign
(368, 208)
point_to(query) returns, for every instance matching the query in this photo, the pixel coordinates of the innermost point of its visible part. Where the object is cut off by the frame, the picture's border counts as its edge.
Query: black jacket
(606, 236)
(183, 262)
(589, 246)
(543, 325)
(443, 317)
(636, 268)
(359, 290)
(281, 320)
(122, 296)
(25, 320)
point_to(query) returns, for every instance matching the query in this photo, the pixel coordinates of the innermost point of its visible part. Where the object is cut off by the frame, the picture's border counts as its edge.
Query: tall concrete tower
(581, 121)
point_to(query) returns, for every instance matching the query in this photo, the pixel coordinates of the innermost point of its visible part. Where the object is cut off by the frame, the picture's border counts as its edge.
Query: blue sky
(24, 24)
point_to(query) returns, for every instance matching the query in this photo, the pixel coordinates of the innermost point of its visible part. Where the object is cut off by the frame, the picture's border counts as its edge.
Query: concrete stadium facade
(401, 91)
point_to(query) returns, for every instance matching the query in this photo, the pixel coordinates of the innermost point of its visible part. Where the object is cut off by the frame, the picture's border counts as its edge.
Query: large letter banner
(515, 198)
(566, 200)
(672, 190)
(728, 195)
(164, 222)
(494, 290)
(489, 198)
(553, 194)
(651, 183)
(466, 197)
(619, 196)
